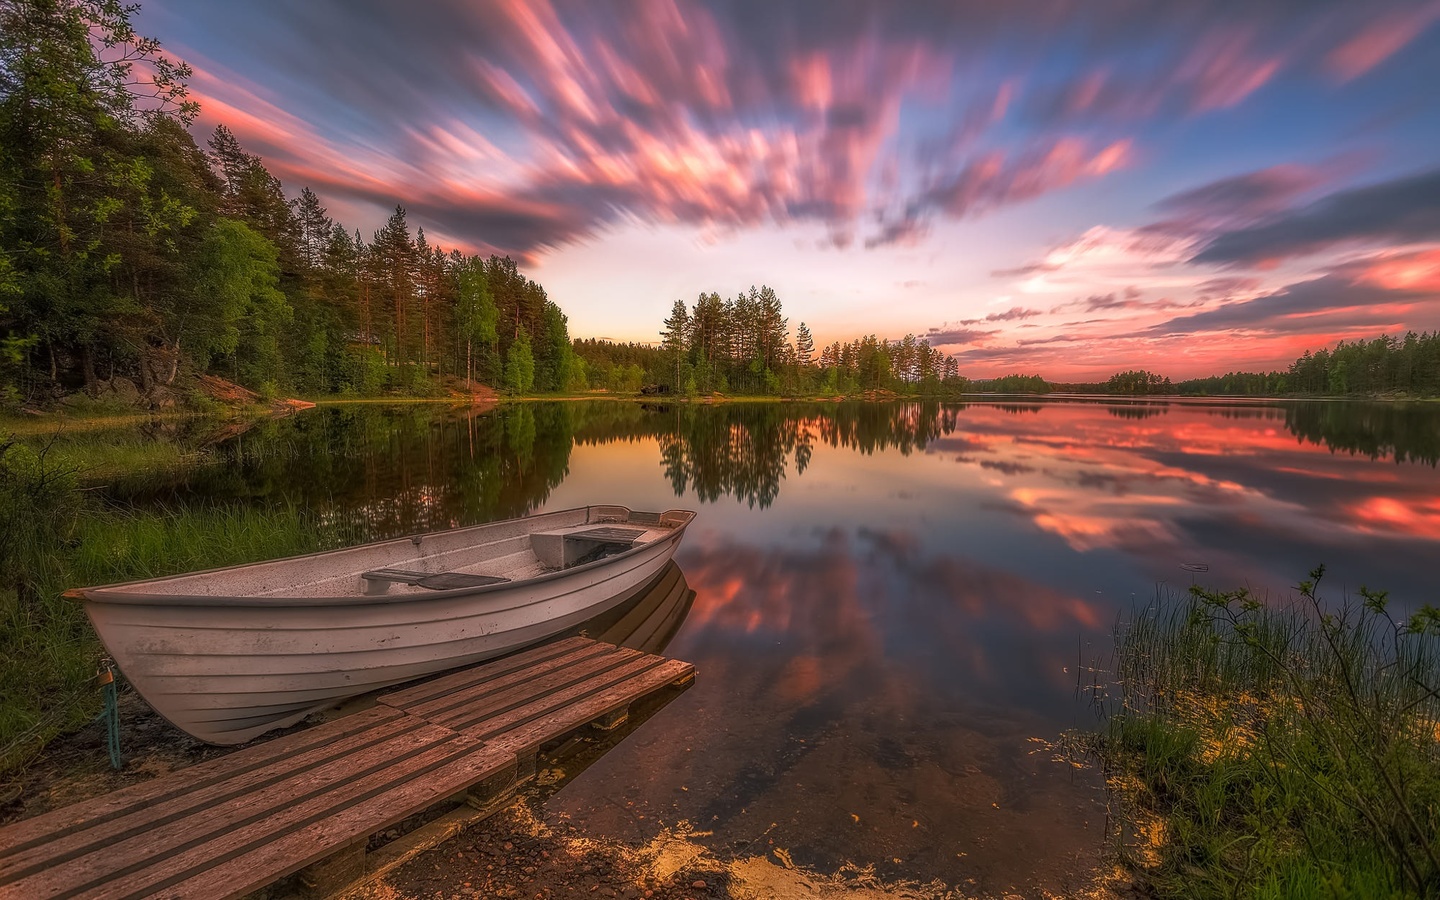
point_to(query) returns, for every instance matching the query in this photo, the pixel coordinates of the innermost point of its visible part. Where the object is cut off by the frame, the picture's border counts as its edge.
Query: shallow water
(892, 599)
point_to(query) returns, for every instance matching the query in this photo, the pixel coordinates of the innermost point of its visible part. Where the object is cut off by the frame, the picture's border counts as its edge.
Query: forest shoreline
(30, 422)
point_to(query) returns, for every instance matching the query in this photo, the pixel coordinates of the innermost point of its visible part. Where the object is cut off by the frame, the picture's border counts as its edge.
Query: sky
(1039, 186)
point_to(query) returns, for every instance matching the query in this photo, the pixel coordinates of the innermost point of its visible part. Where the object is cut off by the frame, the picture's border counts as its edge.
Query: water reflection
(889, 599)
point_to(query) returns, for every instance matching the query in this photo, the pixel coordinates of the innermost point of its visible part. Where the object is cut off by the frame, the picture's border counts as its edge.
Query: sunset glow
(1063, 188)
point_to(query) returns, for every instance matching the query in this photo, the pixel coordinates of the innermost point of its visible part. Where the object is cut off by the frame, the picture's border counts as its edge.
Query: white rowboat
(228, 654)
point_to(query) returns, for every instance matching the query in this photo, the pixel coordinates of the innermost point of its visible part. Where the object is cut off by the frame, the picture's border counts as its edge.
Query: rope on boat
(111, 712)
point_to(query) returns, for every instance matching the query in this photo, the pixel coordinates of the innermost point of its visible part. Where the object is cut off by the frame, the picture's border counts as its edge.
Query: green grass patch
(1256, 750)
(52, 538)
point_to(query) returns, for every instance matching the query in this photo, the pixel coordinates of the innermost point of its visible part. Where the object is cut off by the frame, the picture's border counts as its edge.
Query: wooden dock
(309, 802)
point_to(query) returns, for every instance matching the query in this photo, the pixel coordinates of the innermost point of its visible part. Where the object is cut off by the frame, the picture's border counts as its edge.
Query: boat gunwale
(109, 594)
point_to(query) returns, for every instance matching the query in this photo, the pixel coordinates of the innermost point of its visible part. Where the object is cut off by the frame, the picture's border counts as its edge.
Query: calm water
(891, 599)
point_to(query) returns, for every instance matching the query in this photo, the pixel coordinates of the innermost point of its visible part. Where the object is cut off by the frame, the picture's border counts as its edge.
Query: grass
(100, 456)
(1277, 751)
(54, 537)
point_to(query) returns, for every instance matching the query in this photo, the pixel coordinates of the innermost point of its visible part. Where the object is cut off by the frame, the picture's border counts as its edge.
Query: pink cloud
(1384, 36)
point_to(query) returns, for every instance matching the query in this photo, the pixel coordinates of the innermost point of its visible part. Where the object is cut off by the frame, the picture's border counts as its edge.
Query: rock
(123, 390)
(698, 885)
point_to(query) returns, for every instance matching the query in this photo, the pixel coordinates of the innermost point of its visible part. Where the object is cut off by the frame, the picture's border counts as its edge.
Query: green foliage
(1381, 366)
(126, 248)
(40, 506)
(367, 372)
(1016, 384)
(476, 314)
(1138, 381)
(237, 309)
(1279, 751)
(520, 366)
(742, 344)
(1247, 384)
(51, 653)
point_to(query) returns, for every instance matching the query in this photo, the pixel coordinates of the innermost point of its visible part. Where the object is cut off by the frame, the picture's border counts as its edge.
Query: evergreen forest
(743, 345)
(131, 255)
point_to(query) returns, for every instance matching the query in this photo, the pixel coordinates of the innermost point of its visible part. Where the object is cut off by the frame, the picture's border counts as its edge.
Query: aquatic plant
(1281, 750)
(52, 537)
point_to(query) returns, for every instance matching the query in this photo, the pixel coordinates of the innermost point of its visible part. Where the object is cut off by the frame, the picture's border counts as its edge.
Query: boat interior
(473, 557)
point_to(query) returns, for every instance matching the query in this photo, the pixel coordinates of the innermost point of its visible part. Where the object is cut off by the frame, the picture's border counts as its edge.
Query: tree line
(127, 250)
(743, 345)
(1382, 365)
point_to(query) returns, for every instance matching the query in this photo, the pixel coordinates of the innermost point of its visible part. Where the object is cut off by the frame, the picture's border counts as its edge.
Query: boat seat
(563, 548)
(435, 581)
(608, 534)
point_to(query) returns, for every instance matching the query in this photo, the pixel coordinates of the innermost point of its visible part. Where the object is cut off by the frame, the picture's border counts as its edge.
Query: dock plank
(528, 736)
(144, 851)
(469, 705)
(306, 845)
(233, 825)
(58, 823)
(488, 723)
(142, 819)
(481, 673)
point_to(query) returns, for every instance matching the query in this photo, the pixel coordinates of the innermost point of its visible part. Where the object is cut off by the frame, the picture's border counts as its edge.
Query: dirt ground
(545, 846)
(524, 852)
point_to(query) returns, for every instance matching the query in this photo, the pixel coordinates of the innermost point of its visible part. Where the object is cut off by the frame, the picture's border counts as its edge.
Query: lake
(894, 602)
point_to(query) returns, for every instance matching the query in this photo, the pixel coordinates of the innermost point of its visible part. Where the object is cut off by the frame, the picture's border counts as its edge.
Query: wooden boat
(228, 654)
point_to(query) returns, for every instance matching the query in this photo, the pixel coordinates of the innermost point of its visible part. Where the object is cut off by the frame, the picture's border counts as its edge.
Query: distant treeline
(1016, 384)
(742, 345)
(126, 250)
(1384, 365)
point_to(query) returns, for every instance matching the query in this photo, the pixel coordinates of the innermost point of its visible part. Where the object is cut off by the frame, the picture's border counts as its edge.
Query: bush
(1278, 751)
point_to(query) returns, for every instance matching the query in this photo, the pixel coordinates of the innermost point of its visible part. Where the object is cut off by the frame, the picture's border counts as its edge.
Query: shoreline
(29, 422)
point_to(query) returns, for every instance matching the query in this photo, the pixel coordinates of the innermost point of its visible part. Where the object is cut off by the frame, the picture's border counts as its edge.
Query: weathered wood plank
(143, 819)
(493, 722)
(481, 673)
(49, 826)
(275, 857)
(211, 834)
(526, 737)
(236, 824)
(471, 709)
(437, 708)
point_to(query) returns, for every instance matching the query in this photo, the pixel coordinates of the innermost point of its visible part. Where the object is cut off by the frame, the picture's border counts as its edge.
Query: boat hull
(228, 672)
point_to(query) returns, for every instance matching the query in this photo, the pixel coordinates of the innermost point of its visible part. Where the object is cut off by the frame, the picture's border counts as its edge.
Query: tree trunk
(147, 381)
(174, 363)
(87, 363)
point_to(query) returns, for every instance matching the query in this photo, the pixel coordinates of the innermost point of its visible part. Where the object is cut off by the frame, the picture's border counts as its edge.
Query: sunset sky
(1053, 187)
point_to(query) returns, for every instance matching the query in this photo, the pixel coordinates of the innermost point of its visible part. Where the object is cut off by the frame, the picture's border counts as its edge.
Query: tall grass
(1287, 750)
(54, 539)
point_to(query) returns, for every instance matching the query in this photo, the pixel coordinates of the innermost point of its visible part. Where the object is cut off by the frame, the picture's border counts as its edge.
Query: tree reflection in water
(372, 471)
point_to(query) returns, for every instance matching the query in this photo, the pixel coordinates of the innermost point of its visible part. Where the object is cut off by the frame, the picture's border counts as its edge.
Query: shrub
(1269, 751)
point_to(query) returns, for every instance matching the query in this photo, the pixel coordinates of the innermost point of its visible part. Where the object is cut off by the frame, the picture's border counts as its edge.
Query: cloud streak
(1401, 210)
(546, 122)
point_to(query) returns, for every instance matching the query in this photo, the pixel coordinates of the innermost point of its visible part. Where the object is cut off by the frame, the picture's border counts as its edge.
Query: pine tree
(674, 339)
(314, 227)
(393, 255)
(804, 346)
(476, 315)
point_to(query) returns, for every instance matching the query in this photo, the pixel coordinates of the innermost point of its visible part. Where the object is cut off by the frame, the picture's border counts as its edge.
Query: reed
(1276, 750)
(54, 537)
